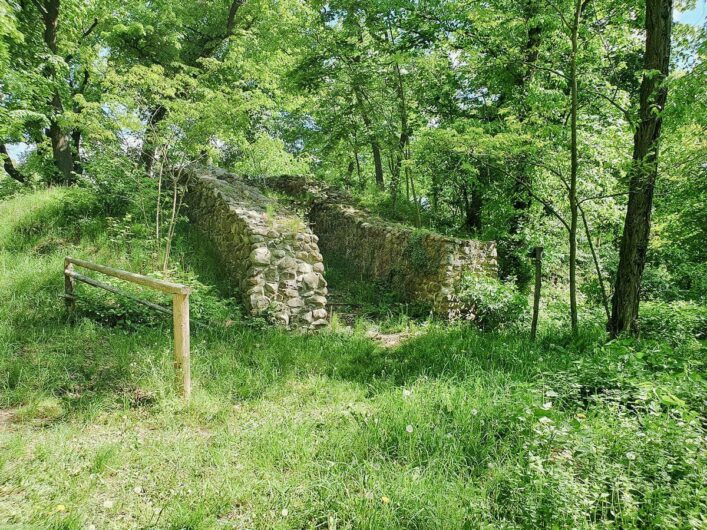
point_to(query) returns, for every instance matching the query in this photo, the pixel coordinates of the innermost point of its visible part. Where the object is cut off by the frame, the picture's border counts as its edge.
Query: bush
(674, 322)
(494, 303)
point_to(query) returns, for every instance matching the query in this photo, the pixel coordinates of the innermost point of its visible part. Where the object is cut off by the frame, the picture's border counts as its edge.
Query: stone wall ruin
(423, 266)
(276, 261)
(269, 251)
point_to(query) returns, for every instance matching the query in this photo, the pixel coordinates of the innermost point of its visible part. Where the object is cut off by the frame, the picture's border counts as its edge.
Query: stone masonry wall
(266, 247)
(424, 266)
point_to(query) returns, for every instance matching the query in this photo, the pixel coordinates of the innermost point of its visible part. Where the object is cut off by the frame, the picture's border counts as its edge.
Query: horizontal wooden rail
(180, 306)
(146, 281)
(95, 283)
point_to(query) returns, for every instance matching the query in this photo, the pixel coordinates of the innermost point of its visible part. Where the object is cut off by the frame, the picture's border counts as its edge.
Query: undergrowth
(454, 428)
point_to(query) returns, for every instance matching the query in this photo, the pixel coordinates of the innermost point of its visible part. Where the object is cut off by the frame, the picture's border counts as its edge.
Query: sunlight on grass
(453, 428)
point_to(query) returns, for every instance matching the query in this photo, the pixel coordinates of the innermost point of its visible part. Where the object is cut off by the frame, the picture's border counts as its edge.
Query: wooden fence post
(538, 254)
(182, 366)
(69, 284)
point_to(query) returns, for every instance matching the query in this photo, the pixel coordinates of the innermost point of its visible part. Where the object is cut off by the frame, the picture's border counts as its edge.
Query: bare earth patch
(390, 340)
(6, 418)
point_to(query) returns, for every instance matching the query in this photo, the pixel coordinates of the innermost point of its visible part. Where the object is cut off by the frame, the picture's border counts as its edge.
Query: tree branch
(231, 23)
(40, 6)
(605, 196)
(9, 167)
(90, 29)
(548, 206)
(604, 297)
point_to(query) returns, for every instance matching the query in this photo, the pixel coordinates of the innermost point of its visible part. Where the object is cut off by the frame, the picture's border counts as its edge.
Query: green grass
(452, 429)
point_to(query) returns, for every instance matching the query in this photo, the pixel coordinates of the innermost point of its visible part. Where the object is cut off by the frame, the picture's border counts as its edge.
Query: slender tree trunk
(574, 163)
(404, 134)
(644, 171)
(149, 147)
(9, 167)
(375, 146)
(61, 144)
(358, 167)
(409, 178)
(538, 253)
(378, 164)
(597, 266)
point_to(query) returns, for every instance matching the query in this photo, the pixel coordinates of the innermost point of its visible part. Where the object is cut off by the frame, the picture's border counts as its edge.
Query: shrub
(494, 302)
(674, 322)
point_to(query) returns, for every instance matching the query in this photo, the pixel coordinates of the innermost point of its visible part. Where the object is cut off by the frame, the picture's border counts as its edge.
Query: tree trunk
(644, 171)
(573, 170)
(61, 144)
(76, 147)
(378, 164)
(404, 134)
(472, 208)
(9, 167)
(149, 147)
(515, 258)
(375, 146)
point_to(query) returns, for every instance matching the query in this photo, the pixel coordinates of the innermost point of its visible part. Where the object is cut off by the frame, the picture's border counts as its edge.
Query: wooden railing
(180, 307)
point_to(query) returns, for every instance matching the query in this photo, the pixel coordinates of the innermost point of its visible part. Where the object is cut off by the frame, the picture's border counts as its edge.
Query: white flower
(285, 512)
(406, 392)
(408, 428)
(474, 412)
(631, 455)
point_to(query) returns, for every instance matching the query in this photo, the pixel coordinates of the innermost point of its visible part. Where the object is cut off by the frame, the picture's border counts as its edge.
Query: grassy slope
(452, 429)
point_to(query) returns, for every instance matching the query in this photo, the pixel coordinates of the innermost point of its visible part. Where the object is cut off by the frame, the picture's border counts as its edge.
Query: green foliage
(674, 322)
(418, 255)
(495, 303)
(451, 427)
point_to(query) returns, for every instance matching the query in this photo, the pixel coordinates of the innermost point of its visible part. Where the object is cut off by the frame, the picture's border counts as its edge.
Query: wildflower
(385, 499)
(474, 412)
(285, 512)
(408, 428)
(406, 392)
(60, 508)
(631, 455)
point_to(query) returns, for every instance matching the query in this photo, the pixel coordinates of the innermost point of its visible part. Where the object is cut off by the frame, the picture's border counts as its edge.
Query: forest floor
(449, 428)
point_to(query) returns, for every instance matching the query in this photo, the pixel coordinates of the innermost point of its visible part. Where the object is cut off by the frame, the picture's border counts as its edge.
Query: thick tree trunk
(515, 256)
(472, 208)
(9, 167)
(644, 171)
(149, 147)
(61, 144)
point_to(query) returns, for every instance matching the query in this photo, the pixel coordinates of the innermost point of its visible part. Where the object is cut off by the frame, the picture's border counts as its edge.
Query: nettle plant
(495, 303)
